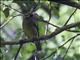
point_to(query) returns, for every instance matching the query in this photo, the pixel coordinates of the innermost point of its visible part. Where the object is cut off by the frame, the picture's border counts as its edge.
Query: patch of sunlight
(41, 12)
(51, 45)
(63, 9)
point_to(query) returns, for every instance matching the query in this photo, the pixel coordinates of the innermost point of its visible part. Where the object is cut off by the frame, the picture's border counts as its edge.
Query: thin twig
(49, 19)
(11, 8)
(67, 49)
(69, 40)
(46, 30)
(5, 23)
(70, 17)
(18, 51)
(61, 46)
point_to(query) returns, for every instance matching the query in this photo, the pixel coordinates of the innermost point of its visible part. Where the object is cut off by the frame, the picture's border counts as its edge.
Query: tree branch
(46, 37)
(68, 2)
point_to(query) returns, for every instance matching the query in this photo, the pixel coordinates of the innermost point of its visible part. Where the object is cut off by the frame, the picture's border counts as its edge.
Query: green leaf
(6, 12)
(41, 26)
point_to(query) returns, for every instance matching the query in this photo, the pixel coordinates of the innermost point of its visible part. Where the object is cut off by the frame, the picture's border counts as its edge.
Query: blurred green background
(12, 31)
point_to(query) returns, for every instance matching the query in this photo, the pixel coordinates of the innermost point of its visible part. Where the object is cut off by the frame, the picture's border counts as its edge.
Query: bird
(31, 29)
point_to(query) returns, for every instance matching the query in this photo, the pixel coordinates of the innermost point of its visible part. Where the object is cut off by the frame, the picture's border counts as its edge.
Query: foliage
(12, 31)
